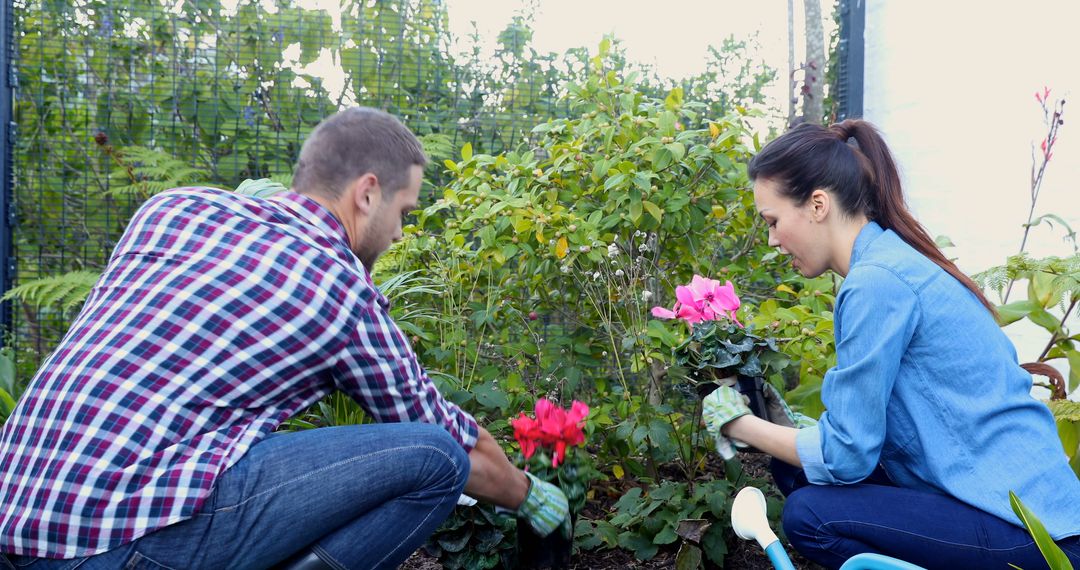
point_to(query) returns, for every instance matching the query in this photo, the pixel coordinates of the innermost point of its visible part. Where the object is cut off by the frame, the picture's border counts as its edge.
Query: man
(145, 440)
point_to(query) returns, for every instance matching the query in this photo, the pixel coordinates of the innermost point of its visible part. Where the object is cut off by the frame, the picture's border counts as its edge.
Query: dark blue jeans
(829, 524)
(362, 496)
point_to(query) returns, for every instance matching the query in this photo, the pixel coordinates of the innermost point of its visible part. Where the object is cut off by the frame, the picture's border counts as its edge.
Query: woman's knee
(800, 521)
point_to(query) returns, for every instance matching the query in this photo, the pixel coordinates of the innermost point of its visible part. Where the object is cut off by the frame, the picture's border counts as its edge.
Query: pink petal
(686, 297)
(690, 315)
(578, 412)
(662, 313)
(725, 299)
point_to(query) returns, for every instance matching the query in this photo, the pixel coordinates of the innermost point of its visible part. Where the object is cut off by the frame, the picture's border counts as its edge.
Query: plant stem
(1054, 337)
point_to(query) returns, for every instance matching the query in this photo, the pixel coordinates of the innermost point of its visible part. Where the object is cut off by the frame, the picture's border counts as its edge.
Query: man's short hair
(351, 143)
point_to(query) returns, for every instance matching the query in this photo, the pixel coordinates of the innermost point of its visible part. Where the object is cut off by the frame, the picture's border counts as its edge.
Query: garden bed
(742, 555)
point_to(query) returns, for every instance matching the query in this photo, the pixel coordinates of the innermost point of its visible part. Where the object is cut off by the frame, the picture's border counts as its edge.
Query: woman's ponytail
(853, 161)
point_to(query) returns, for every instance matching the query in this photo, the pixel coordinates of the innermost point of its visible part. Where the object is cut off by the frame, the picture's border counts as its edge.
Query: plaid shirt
(218, 317)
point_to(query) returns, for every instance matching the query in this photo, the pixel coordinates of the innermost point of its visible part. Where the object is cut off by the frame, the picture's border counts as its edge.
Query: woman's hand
(717, 409)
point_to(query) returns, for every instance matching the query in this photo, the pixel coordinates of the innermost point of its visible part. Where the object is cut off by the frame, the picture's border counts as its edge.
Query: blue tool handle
(778, 556)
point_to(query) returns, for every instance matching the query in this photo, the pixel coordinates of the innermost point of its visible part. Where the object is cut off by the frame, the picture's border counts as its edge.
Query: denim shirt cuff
(808, 447)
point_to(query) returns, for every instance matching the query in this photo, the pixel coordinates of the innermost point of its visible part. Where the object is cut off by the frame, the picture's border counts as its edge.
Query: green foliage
(1067, 416)
(65, 292)
(1050, 550)
(717, 349)
(475, 538)
(693, 515)
(9, 391)
(145, 172)
(1053, 283)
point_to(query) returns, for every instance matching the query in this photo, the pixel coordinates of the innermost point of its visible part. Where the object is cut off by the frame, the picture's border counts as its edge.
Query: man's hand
(718, 408)
(545, 507)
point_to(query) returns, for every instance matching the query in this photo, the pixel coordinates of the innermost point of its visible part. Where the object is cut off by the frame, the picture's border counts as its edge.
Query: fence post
(8, 82)
(852, 49)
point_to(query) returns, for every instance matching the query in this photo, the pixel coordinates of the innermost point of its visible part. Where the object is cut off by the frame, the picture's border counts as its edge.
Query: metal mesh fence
(117, 99)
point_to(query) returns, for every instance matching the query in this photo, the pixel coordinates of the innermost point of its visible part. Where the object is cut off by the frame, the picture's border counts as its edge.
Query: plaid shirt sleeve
(379, 369)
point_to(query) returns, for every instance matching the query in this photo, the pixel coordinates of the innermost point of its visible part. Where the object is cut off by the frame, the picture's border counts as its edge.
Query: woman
(929, 422)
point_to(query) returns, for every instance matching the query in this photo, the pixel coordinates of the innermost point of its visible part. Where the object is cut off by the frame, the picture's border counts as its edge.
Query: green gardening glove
(717, 409)
(780, 413)
(545, 508)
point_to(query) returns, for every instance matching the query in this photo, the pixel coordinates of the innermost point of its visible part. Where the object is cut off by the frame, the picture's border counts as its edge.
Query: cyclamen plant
(719, 345)
(548, 447)
(548, 441)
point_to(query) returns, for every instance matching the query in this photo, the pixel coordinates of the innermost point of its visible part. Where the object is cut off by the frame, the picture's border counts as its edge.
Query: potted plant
(550, 449)
(720, 350)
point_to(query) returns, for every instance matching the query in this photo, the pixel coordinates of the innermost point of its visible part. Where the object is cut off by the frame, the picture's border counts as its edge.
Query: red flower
(553, 428)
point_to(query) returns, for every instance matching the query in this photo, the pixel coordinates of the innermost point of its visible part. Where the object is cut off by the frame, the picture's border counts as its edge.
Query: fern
(438, 147)
(1065, 410)
(1066, 283)
(65, 291)
(144, 172)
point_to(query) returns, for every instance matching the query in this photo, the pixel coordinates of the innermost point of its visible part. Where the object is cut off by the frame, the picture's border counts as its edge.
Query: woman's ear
(820, 204)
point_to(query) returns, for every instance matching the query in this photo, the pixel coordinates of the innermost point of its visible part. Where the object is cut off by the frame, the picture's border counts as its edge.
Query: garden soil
(742, 555)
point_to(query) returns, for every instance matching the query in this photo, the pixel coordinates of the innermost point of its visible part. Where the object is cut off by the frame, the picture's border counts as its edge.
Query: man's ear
(365, 192)
(820, 204)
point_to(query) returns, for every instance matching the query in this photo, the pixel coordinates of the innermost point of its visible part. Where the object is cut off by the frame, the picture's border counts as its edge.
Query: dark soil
(742, 555)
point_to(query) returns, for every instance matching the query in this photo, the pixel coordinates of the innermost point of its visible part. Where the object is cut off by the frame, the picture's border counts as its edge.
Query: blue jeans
(830, 523)
(361, 496)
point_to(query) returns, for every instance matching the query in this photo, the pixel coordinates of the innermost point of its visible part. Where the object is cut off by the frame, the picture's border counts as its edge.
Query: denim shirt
(928, 386)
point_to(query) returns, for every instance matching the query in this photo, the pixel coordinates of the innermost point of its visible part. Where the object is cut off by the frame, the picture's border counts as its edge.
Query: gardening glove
(717, 409)
(780, 413)
(545, 507)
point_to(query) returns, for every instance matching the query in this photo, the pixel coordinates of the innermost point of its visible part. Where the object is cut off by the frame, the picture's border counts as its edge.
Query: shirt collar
(867, 235)
(318, 216)
(314, 214)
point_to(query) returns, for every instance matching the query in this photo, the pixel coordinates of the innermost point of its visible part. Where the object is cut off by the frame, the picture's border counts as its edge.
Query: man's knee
(448, 465)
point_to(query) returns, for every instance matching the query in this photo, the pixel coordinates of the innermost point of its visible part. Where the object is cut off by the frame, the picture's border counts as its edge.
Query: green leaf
(490, 396)
(456, 542)
(7, 403)
(666, 536)
(1045, 320)
(714, 545)
(1069, 432)
(688, 558)
(466, 152)
(1074, 368)
(654, 210)
(1050, 550)
(1012, 312)
(643, 548)
(674, 100)
(635, 212)
(7, 372)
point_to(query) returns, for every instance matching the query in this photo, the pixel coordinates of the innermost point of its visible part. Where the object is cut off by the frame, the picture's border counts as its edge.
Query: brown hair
(851, 160)
(351, 143)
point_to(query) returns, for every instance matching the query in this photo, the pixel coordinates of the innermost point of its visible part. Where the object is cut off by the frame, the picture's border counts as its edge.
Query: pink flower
(1045, 96)
(703, 299)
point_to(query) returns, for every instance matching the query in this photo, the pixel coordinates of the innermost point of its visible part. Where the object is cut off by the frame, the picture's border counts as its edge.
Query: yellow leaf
(785, 289)
(561, 247)
(618, 471)
(540, 234)
(714, 131)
